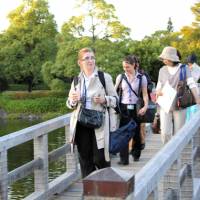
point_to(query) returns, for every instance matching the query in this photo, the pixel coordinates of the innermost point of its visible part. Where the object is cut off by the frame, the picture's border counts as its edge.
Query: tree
(196, 11)
(103, 32)
(189, 35)
(98, 21)
(29, 41)
(170, 27)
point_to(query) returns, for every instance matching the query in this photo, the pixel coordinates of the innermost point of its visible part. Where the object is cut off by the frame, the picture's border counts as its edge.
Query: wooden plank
(75, 191)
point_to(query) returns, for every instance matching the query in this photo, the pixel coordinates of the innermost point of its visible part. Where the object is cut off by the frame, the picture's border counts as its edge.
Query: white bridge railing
(40, 164)
(174, 172)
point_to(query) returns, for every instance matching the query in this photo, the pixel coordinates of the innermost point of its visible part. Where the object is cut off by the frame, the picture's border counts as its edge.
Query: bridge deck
(153, 145)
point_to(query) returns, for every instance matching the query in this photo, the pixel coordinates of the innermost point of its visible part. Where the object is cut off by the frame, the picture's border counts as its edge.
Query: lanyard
(129, 91)
(84, 93)
(130, 87)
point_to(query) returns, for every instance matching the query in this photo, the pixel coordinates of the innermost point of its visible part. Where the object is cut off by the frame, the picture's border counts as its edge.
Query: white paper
(165, 101)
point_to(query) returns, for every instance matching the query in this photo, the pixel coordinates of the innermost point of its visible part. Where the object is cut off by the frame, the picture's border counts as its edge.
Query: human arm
(145, 97)
(193, 86)
(159, 86)
(158, 89)
(111, 93)
(73, 97)
(195, 94)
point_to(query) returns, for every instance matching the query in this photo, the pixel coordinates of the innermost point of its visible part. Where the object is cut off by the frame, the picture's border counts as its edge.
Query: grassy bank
(46, 104)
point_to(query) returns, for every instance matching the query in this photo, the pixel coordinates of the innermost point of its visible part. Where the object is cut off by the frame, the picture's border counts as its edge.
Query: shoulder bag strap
(125, 78)
(182, 75)
(140, 84)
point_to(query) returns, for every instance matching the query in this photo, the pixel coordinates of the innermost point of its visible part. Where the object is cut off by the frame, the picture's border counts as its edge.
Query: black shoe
(136, 154)
(122, 163)
(142, 146)
(136, 159)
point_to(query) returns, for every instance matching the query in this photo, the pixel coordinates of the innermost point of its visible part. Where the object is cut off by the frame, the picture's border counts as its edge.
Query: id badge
(130, 107)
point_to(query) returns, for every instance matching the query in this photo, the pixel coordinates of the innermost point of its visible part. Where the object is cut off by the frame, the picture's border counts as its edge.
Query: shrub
(51, 102)
(58, 85)
(33, 94)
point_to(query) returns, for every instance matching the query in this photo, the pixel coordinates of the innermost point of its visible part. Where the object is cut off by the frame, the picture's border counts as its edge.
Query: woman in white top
(127, 85)
(92, 143)
(172, 121)
(194, 68)
(195, 72)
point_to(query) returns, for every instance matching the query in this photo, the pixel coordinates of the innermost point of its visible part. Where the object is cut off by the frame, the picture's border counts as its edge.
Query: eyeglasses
(88, 58)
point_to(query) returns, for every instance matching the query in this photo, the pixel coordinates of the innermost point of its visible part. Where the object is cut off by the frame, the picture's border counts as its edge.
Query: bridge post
(3, 175)
(171, 182)
(186, 181)
(196, 165)
(41, 175)
(109, 183)
(154, 194)
(71, 158)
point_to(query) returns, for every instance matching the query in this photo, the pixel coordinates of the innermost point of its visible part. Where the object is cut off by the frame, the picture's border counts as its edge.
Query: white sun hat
(169, 53)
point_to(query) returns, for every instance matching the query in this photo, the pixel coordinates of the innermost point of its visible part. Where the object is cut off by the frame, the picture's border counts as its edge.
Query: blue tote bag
(120, 138)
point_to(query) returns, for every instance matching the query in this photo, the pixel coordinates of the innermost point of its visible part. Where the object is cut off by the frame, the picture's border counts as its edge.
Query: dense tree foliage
(31, 45)
(98, 21)
(98, 27)
(28, 42)
(189, 36)
(170, 27)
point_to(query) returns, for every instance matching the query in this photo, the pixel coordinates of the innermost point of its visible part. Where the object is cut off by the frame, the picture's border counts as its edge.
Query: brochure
(165, 101)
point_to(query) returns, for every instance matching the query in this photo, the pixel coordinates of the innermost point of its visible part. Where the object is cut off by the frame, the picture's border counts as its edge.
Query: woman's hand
(99, 99)
(74, 96)
(158, 93)
(142, 111)
(198, 100)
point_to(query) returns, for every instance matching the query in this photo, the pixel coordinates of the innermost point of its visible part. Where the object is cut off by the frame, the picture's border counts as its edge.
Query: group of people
(93, 143)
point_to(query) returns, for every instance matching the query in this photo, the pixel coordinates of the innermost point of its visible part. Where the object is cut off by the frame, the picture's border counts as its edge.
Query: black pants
(127, 115)
(90, 157)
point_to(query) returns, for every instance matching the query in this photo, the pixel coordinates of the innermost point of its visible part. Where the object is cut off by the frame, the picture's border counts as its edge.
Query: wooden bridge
(168, 172)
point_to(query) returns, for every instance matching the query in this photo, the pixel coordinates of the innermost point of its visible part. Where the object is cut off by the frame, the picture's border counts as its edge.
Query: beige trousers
(170, 123)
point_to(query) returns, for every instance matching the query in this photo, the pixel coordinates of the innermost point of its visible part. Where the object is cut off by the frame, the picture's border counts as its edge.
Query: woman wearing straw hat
(172, 121)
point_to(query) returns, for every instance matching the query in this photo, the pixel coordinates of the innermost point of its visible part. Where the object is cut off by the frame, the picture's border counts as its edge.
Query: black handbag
(149, 115)
(90, 118)
(185, 97)
(120, 138)
(155, 126)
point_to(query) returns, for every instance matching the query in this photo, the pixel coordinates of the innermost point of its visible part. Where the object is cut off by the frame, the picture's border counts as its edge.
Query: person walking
(127, 85)
(172, 121)
(195, 72)
(194, 67)
(92, 143)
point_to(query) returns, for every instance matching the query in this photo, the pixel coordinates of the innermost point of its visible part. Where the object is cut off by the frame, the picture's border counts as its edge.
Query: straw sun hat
(169, 53)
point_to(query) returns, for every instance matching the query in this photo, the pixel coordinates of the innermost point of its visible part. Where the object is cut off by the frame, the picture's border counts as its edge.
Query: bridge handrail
(177, 153)
(40, 163)
(27, 134)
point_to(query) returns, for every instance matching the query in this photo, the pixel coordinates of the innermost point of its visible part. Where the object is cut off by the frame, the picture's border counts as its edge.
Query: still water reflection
(23, 153)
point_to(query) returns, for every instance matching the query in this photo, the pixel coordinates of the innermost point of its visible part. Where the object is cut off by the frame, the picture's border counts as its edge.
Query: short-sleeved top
(195, 71)
(128, 96)
(173, 79)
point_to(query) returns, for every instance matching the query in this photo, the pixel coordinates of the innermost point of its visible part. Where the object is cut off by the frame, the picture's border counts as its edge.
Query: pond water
(23, 153)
